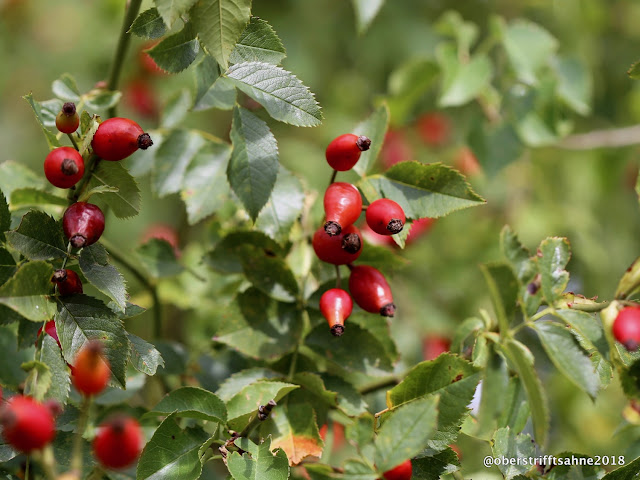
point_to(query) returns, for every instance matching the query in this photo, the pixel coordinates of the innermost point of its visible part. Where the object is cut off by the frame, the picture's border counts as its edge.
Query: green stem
(338, 279)
(80, 187)
(457, 475)
(76, 458)
(379, 385)
(73, 141)
(146, 282)
(542, 313)
(26, 468)
(48, 462)
(66, 259)
(333, 177)
(121, 50)
(294, 363)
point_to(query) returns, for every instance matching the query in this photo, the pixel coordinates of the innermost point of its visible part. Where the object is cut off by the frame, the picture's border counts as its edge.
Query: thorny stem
(121, 50)
(147, 283)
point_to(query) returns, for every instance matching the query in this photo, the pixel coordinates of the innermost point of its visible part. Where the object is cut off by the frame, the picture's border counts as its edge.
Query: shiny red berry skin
(117, 138)
(63, 167)
(340, 249)
(118, 443)
(83, 224)
(26, 424)
(336, 306)
(50, 329)
(385, 217)
(626, 327)
(370, 290)
(344, 151)
(68, 120)
(68, 282)
(90, 373)
(401, 472)
(164, 232)
(342, 206)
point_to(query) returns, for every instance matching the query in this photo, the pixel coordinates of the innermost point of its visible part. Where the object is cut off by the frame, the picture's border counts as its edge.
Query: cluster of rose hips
(28, 425)
(339, 241)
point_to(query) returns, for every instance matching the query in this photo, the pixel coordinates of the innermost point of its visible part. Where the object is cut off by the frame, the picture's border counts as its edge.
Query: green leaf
(52, 141)
(634, 71)
(66, 88)
(450, 377)
(14, 175)
(205, 188)
(630, 281)
(575, 85)
(495, 381)
(38, 379)
(26, 292)
(507, 444)
(495, 146)
(375, 128)
(100, 99)
(382, 258)
(253, 167)
(5, 216)
(94, 263)
(159, 258)
(245, 404)
(176, 109)
(60, 375)
(171, 10)
(503, 287)
(63, 447)
(7, 266)
(461, 82)
(280, 92)
(567, 356)
(627, 472)
(144, 356)
(96, 191)
(357, 350)
(529, 48)
(11, 375)
(451, 24)
(349, 399)
(236, 382)
(39, 237)
(432, 467)
(366, 11)
(27, 197)
(516, 412)
(379, 327)
(405, 432)
(257, 462)
(258, 43)
(554, 255)
(81, 318)
(521, 359)
(219, 24)
(172, 452)
(516, 254)
(266, 329)
(228, 253)
(49, 110)
(577, 471)
(125, 202)
(407, 84)
(295, 430)
(422, 190)
(88, 138)
(212, 90)
(283, 208)
(172, 159)
(192, 402)
(149, 24)
(176, 52)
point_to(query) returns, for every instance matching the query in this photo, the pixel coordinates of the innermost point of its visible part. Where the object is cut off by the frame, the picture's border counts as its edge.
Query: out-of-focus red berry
(466, 162)
(434, 345)
(434, 129)
(140, 97)
(164, 232)
(396, 148)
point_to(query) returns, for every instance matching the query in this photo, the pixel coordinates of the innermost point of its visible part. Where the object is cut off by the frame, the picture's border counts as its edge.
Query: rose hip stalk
(340, 249)
(344, 151)
(342, 206)
(336, 306)
(371, 291)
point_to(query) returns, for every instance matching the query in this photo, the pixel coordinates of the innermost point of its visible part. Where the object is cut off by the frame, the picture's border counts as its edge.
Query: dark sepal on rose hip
(363, 143)
(59, 276)
(351, 243)
(69, 167)
(69, 109)
(144, 141)
(395, 225)
(332, 228)
(337, 330)
(388, 310)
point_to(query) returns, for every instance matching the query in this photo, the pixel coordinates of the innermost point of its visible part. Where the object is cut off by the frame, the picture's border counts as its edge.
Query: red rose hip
(626, 327)
(385, 217)
(83, 224)
(90, 372)
(63, 167)
(370, 290)
(117, 138)
(118, 443)
(50, 329)
(68, 282)
(401, 472)
(68, 120)
(344, 151)
(336, 306)
(26, 424)
(342, 207)
(339, 249)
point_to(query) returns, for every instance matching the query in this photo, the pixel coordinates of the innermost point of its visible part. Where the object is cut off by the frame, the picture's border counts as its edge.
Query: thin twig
(610, 138)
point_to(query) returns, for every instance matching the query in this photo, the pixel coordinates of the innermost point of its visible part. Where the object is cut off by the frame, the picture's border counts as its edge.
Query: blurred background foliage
(542, 190)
